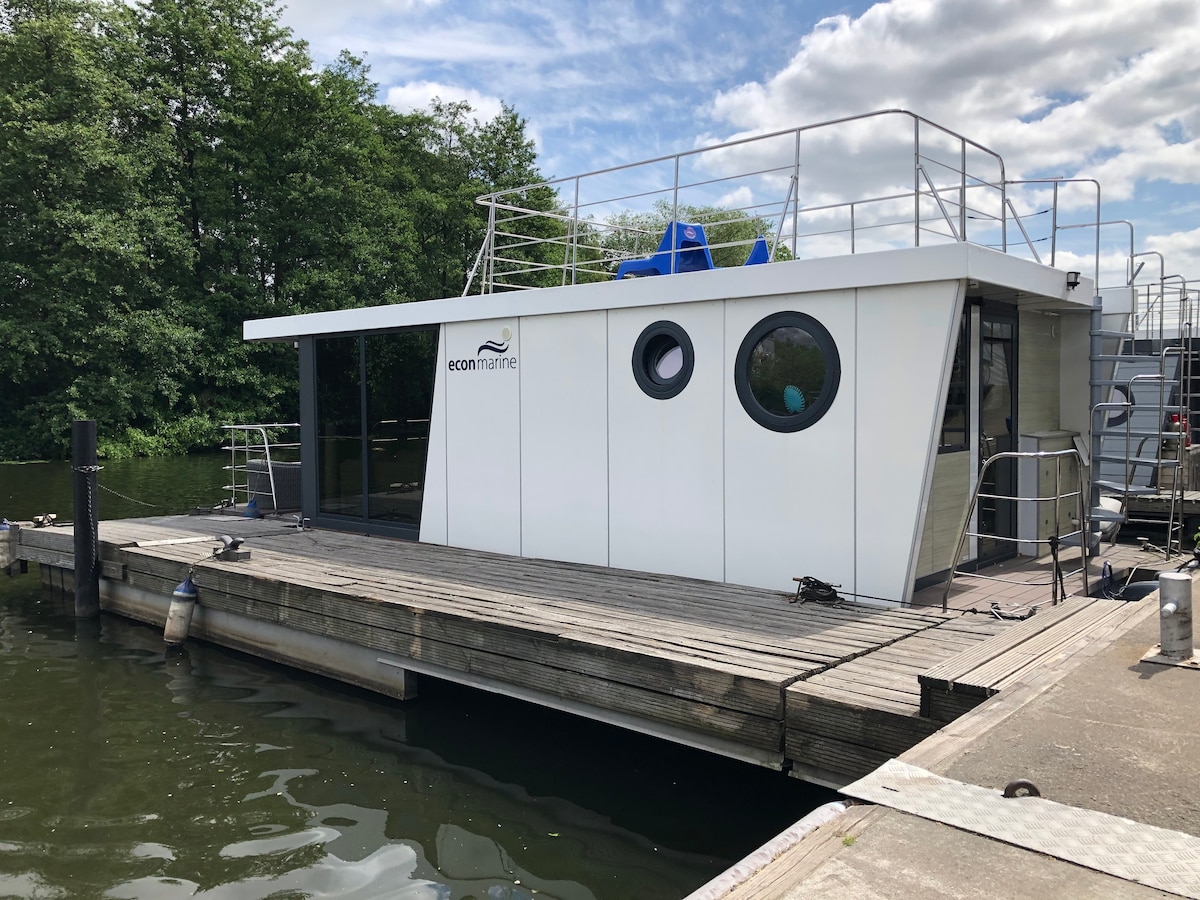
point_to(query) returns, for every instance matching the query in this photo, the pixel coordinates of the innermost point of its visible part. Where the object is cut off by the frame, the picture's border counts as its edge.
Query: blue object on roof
(760, 253)
(684, 243)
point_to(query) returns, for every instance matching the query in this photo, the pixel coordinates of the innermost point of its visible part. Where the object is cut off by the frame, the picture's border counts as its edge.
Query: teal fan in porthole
(793, 399)
(787, 371)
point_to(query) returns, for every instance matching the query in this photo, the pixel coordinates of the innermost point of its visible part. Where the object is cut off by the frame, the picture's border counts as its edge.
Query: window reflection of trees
(374, 467)
(786, 356)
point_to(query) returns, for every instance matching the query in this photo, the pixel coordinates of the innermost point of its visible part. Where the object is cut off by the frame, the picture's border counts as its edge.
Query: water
(130, 772)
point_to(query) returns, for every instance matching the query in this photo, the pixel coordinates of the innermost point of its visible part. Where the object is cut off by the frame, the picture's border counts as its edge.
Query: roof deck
(883, 180)
(883, 198)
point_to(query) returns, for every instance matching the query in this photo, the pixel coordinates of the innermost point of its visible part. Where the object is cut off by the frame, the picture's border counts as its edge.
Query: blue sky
(1099, 89)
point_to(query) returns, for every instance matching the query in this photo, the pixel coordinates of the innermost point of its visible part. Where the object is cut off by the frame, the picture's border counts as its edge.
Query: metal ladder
(1056, 541)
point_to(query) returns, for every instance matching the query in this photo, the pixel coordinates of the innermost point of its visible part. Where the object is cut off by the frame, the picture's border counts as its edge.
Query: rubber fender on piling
(179, 615)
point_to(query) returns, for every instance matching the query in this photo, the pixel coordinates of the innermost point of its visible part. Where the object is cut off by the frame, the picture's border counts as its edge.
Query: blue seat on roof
(685, 242)
(760, 253)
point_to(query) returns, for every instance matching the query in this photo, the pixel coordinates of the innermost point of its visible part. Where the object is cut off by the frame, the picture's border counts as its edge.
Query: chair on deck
(760, 253)
(686, 243)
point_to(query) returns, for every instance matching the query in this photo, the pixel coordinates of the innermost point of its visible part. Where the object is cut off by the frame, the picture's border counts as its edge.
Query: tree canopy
(172, 168)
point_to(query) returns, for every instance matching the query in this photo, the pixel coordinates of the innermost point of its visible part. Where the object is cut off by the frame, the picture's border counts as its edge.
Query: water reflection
(130, 773)
(127, 771)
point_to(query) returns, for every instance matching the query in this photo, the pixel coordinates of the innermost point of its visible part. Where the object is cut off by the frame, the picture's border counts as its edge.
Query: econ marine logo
(491, 356)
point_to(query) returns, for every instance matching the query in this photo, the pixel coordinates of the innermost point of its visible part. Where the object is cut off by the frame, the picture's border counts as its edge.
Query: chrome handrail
(577, 220)
(263, 448)
(1054, 541)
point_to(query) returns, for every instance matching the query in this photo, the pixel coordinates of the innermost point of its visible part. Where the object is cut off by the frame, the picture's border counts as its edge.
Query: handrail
(246, 449)
(581, 223)
(1054, 541)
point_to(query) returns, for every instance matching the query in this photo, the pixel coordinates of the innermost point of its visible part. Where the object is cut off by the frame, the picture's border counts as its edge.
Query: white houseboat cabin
(823, 410)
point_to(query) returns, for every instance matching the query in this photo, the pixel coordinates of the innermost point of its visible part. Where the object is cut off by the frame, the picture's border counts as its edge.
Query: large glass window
(399, 400)
(958, 408)
(339, 425)
(787, 371)
(374, 403)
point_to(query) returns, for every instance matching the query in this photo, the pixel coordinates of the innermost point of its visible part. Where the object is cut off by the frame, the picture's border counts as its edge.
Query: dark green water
(129, 772)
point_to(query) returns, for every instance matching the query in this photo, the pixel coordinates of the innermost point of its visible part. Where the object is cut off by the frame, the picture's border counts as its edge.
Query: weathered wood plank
(828, 645)
(430, 638)
(829, 755)
(943, 676)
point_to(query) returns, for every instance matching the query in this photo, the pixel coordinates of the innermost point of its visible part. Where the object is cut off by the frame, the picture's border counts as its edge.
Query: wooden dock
(827, 692)
(1152, 508)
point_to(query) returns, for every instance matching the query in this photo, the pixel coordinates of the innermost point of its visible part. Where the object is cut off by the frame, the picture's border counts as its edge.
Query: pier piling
(87, 562)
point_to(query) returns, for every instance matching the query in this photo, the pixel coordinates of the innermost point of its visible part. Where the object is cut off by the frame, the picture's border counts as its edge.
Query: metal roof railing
(874, 181)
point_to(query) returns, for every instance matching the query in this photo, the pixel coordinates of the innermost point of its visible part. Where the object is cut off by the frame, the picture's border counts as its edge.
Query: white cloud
(419, 94)
(1066, 88)
(1054, 86)
(1072, 88)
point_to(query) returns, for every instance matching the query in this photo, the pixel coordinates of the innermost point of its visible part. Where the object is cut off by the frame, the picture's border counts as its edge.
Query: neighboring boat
(826, 415)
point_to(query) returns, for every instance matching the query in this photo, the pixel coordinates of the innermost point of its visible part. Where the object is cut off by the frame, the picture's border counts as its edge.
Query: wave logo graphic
(496, 359)
(500, 346)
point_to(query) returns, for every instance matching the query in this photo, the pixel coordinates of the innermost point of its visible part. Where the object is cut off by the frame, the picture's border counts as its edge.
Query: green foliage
(172, 168)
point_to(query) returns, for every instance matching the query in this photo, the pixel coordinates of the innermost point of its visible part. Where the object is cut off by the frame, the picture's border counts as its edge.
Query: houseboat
(826, 408)
(840, 363)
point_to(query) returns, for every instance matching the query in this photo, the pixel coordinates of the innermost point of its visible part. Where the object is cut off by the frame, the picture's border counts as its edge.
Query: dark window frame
(647, 352)
(962, 363)
(814, 412)
(363, 521)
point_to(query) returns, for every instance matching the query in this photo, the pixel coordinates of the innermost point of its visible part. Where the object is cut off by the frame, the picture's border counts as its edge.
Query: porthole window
(787, 371)
(663, 360)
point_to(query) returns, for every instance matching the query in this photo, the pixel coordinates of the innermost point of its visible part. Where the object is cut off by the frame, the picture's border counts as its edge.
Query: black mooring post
(87, 565)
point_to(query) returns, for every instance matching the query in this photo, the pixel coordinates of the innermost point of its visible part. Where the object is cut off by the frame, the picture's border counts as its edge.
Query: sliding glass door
(374, 398)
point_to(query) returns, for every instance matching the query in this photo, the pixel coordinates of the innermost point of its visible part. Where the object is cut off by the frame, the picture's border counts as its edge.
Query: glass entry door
(374, 398)
(997, 431)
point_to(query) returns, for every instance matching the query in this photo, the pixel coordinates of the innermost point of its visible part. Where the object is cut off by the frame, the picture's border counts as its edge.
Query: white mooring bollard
(1175, 611)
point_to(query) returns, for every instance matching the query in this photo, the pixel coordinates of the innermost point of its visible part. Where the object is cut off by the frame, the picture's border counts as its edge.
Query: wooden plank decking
(737, 670)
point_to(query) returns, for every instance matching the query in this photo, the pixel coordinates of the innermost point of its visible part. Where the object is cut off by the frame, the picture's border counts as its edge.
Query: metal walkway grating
(1155, 857)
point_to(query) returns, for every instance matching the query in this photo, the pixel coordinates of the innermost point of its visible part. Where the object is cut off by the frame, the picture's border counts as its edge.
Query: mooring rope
(132, 499)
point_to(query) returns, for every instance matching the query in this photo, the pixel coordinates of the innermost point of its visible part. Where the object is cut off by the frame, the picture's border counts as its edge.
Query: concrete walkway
(1104, 732)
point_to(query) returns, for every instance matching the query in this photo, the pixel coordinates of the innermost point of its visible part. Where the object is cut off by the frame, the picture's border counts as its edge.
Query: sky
(1087, 89)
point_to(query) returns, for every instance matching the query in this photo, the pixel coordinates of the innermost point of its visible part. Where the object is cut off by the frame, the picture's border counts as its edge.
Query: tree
(172, 168)
(81, 242)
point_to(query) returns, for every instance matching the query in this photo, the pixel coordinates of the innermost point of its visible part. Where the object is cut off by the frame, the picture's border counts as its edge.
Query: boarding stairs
(1141, 431)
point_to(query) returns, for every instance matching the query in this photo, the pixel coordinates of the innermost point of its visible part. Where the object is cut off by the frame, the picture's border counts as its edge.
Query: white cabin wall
(665, 456)
(789, 508)
(564, 437)
(906, 341)
(433, 500)
(483, 439)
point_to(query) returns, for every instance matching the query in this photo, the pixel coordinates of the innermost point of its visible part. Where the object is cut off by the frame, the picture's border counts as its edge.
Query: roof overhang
(994, 275)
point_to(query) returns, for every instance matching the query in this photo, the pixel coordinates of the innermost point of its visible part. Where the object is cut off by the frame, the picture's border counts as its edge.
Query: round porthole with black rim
(663, 360)
(787, 371)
